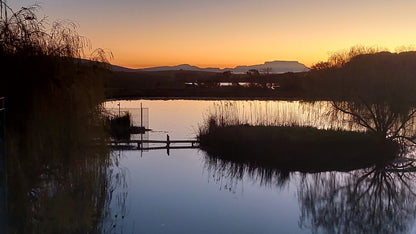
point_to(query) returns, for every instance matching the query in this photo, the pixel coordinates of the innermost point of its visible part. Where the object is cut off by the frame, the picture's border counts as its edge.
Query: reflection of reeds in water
(229, 173)
(58, 160)
(379, 199)
(114, 208)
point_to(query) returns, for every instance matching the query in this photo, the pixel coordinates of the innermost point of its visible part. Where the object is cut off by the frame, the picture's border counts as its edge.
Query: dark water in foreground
(63, 179)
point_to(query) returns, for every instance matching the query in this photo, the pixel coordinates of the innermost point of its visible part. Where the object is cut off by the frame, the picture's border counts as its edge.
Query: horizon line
(203, 66)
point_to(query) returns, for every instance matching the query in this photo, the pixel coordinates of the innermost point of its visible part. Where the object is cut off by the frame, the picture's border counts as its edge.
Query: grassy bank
(296, 148)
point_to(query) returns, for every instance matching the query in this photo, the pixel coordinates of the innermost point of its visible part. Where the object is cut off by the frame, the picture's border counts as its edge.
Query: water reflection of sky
(176, 195)
(179, 118)
(186, 193)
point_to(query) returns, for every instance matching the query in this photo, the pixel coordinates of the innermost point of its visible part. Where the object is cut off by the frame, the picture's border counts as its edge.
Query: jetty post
(167, 144)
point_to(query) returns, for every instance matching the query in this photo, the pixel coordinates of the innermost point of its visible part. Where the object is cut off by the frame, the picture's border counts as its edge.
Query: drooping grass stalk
(58, 158)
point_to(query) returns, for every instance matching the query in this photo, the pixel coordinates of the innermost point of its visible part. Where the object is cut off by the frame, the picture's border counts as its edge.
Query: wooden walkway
(168, 144)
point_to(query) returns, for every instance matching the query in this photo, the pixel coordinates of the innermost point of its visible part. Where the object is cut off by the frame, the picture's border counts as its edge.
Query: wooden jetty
(167, 144)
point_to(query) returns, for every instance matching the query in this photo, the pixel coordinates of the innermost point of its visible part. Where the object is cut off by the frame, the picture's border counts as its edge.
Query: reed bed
(318, 114)
(291, 136)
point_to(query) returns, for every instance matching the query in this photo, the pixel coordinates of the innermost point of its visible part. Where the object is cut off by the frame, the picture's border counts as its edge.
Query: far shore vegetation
(368, 69)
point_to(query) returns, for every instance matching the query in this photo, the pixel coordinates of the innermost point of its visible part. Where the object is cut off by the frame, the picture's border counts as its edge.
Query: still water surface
(188, 192)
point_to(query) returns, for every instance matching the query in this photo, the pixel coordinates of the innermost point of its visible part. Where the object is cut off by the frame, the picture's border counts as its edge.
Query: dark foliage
(55, 139)
(296, 148)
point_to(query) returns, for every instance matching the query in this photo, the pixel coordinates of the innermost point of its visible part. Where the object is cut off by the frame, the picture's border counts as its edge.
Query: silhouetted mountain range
(270, 67)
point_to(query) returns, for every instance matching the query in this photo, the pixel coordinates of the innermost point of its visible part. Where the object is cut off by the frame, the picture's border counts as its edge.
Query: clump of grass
(282, 113)
(120, 126)
(35, 58)
(290, 146)
(296, 148)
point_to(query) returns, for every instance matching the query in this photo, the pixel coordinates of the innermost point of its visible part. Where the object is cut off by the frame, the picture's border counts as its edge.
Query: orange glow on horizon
(207, 34)
(137, 62)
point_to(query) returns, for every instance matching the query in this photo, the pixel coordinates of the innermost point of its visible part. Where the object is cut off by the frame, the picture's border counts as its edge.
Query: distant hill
(270, 67)
(186, 67)
(274, 67)
(122, 69)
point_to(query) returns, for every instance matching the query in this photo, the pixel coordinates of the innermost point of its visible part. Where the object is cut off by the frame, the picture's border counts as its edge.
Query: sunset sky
(226, 33)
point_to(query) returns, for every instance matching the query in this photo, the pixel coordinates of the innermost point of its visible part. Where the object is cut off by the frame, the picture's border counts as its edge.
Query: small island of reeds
(293, 147)
(121, 126)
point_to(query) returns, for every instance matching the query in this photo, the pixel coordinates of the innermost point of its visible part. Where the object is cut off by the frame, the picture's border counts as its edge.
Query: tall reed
(58, 161)
(319, 115)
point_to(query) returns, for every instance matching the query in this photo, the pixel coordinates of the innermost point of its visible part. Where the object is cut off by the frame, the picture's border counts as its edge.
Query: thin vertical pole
(141, 115)
(167, 144)
(141, 123)
(3, 169)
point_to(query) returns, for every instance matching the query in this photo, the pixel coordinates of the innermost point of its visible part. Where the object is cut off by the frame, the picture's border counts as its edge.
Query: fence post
(141, 115)
(3, 168)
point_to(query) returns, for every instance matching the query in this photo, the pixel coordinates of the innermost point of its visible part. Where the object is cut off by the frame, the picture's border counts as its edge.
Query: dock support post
(167, 144)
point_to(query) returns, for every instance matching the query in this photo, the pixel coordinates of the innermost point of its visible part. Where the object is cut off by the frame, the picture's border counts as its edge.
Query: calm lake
(186, 191)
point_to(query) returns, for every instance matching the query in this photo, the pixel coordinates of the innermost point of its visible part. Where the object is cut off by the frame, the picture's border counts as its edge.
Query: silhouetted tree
(267, 70)
(377, 89)
(321, 66)
(253, 73)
